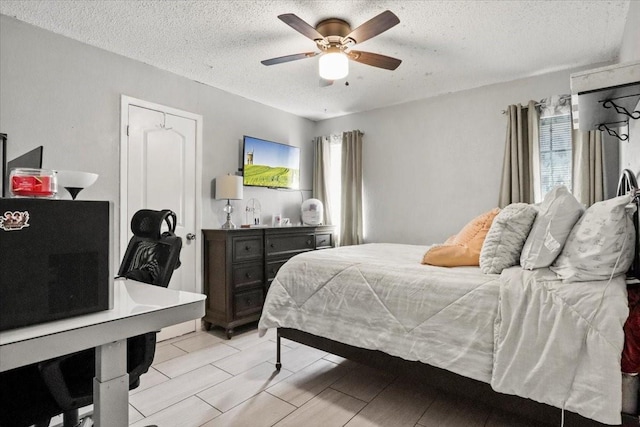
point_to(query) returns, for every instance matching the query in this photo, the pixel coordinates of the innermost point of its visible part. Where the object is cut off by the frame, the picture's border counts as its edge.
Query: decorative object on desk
(27, 182)
(76, 181)
(229, 187)
(253, 212)
(312, 210)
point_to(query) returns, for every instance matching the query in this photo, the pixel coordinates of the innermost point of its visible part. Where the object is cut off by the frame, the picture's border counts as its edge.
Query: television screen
(270, 164)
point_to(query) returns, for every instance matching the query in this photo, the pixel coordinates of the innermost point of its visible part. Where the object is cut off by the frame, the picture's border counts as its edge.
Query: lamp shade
(334, 66)
(76, 179)
(229, 187)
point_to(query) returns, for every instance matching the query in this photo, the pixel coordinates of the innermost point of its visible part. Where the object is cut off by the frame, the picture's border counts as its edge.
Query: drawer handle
(248, 275)
(247, 248)
(309, 242)
(248, 300)
(272, 245)
(322, 242)
(273, 271)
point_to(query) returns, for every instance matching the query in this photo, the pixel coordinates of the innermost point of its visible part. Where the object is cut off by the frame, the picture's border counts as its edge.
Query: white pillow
(557, 215)
(504, 241)
(604, 233)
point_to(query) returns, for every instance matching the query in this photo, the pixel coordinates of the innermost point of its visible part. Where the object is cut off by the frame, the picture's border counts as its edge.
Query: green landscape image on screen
(267, 176)
(270, 164)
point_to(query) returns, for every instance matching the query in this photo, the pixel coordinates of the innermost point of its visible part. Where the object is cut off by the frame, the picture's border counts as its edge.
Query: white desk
(137, 309)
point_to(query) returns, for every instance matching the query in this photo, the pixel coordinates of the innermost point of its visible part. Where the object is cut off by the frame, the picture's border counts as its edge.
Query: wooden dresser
(240, 264)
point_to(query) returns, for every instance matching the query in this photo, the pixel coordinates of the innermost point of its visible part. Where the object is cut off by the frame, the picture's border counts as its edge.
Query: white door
(162, 173)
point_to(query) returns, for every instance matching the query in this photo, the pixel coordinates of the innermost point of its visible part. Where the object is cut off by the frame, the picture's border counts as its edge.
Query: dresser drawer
(248, 275)
(249, 302)
(273, 268)
(289, 244)
(324, 240)
(247, 248)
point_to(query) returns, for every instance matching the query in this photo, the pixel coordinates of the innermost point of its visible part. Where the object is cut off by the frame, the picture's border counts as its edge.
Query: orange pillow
(463, 248)
(450, 239)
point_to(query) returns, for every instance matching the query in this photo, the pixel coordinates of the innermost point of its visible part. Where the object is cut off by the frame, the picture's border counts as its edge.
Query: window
(555, 152)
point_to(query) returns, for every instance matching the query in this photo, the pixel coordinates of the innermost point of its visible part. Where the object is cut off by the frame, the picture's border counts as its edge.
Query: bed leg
(278, 364)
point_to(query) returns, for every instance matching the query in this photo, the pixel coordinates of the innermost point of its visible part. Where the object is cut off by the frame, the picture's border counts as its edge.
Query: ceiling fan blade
(300, 26)
(374, 59)
(376, 25)
(325, 82)
(289, 58)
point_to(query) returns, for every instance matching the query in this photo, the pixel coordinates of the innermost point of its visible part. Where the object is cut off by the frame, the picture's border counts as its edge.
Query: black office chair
(64, 384)
(152, 255)
(25, 399)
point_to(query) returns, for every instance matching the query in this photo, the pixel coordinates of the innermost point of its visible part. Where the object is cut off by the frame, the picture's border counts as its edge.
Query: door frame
(125, 102)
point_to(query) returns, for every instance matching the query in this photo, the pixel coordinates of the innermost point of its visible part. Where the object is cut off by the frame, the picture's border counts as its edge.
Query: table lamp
(75, 181)
(229, 187)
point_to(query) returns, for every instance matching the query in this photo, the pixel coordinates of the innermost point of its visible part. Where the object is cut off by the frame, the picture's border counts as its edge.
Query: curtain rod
(540, 103)
(359, 131)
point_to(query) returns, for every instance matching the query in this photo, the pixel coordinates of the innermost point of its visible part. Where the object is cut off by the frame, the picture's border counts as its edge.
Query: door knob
(191, 236)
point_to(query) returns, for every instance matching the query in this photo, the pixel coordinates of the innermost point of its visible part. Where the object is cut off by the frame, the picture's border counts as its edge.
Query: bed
(519, 339)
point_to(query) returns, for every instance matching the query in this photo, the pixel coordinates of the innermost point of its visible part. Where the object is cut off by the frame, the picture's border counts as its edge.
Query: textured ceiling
(445, 46)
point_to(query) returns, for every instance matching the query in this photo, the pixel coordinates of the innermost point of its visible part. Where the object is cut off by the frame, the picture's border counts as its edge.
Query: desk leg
(111, 386)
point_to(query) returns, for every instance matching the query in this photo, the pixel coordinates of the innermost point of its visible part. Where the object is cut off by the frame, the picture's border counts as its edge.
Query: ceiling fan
(334, 37)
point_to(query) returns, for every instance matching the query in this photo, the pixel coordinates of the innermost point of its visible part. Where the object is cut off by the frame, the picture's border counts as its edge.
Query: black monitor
(31, 159)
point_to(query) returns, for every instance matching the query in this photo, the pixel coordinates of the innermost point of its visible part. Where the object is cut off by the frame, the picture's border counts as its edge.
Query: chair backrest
(152, 255)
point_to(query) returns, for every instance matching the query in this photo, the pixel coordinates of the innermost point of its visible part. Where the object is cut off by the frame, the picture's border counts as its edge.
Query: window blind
(555, 152)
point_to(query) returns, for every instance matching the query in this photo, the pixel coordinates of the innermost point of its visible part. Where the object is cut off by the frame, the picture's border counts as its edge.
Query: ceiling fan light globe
(334, 66)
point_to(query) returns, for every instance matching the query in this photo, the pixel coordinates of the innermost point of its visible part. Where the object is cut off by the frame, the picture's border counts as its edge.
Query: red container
(25, 182)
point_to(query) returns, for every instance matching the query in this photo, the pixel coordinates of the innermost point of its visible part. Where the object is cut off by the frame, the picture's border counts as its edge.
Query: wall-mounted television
(270, 164)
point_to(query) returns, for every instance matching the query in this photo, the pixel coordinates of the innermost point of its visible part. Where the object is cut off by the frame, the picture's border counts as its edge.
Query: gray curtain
(351, 224)
(517, 171)
(588, 166)
(321, 170)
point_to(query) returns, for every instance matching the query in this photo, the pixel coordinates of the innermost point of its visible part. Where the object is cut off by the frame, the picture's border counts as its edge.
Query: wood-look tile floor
(202, 379)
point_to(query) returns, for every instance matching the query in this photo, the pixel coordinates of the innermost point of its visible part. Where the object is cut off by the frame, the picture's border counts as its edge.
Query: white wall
(430, 166)
(65, 95)
(630, 51)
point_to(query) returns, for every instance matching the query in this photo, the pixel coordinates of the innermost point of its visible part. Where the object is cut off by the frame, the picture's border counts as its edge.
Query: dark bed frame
(444, 380)
(458, 384)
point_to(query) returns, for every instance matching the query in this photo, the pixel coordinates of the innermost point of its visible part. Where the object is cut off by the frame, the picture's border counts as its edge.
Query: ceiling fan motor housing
(334, 31)
(333, 27)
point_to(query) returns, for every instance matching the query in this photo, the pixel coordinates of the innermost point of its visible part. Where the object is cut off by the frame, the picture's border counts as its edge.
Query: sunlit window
(555, 152)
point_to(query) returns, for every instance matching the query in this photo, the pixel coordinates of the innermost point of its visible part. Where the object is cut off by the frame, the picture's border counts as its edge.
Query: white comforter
(379, 297)
(561, 343)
